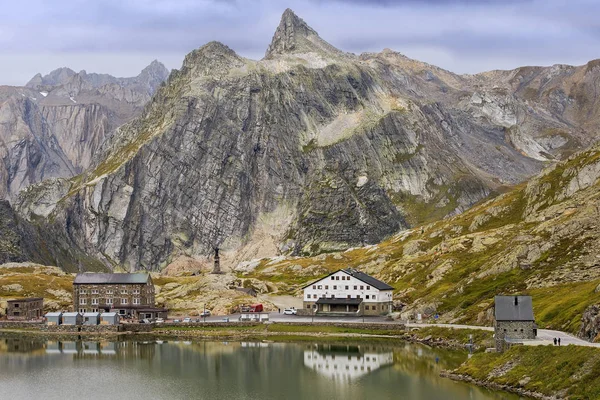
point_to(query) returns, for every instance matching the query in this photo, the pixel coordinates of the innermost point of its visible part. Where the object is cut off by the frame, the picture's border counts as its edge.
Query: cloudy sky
(120, 37)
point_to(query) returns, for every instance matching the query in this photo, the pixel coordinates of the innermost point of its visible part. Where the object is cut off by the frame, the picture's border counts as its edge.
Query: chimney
(516, 300)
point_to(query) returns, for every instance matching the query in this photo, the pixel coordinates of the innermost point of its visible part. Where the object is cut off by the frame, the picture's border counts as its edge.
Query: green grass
(572, 370)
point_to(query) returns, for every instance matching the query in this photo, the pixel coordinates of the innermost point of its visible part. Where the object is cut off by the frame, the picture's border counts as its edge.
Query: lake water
(36, 369)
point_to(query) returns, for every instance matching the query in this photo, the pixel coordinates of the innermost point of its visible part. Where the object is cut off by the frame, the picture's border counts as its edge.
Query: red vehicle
(256, 308)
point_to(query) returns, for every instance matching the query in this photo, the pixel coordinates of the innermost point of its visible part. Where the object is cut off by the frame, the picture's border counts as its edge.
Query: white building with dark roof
(348, 292)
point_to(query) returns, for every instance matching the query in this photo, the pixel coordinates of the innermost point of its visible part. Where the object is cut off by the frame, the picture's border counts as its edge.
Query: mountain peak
(293, 35)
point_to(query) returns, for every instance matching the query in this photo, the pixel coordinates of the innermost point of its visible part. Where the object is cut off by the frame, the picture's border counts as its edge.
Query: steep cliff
(308, 150)
(55, 125)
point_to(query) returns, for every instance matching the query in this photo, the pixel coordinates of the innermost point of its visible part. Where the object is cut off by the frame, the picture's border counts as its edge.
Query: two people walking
(557, 341)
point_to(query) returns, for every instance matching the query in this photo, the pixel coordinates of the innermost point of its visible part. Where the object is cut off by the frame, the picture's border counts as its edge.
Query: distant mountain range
(54, 125)
(306, 151)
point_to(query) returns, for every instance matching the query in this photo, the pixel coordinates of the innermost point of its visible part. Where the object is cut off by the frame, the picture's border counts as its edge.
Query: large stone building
(25, 309)
(514, 320)
(348, 292)
(127, 294)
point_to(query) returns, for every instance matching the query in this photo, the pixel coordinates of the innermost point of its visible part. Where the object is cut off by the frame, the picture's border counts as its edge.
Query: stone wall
(82, 328)
(513, 330)
(21, 325)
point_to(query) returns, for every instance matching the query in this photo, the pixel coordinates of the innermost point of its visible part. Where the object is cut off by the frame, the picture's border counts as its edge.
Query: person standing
(555, 341)
(558, 341)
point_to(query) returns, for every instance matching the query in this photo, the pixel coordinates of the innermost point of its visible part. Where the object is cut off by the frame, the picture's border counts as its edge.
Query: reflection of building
(348, 291)
(345, 362)
(83, 349)
(514, 320)
(25, 309)
(22, 345)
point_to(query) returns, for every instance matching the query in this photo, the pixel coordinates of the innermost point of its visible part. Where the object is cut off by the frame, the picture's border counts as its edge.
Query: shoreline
(434, 337)
(495, 386)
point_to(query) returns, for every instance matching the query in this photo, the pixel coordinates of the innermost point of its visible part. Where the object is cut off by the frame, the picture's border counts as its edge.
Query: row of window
(337, 278)
(366, 307)
(109, 301)
(362, 287)
(368, 297)
(110, 291)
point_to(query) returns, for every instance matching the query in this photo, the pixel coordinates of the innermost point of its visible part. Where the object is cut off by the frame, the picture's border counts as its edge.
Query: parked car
(160, 320)
(176, 321)
(290, 311)
(205, 313)
(187, 320)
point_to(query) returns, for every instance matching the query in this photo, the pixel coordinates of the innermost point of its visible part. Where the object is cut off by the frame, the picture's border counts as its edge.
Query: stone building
(121, 293)
(25, 309)
(348, 292)
(514, 320)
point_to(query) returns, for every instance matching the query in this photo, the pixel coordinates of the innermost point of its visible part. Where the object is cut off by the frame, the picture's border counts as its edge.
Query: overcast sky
(120, 37)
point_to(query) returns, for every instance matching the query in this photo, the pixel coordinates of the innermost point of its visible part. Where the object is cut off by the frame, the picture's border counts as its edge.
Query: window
(355, 287)
(109, 301)
(374, 297)
(362, 287)
(82, 301)
(367, 296)
(346, 287)
(366, 307)
(320, 287)
(136, 291)
(94, 291)
(358, 296)
(82, 310)
(82, 291)
(334, 287)
(123, 301)
(326, 287)
(323, 296)
(314, 286)
(368, 287)
(16, 305)
(333, 278)
(94, 301)
(136, 300)
(349, 296)
(123, 291)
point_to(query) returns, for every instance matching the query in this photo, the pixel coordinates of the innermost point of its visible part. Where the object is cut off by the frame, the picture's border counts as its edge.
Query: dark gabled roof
(350, 302)
(368, 279)
(117, 279)
(25, 300)
(361, 276)
(513, 308)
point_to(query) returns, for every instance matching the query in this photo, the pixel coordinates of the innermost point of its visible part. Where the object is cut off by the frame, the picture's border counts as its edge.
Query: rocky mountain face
(541, 239)
(54, 125)
(309, 150)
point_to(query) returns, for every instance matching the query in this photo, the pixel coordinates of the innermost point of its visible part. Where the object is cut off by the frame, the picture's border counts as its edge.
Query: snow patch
(44, 94)
(72, 99)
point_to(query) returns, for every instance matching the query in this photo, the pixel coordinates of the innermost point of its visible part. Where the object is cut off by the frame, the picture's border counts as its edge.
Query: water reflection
(344, 363)
(228, 370)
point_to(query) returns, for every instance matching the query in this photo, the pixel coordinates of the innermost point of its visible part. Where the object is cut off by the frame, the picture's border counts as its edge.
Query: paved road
(544, 337)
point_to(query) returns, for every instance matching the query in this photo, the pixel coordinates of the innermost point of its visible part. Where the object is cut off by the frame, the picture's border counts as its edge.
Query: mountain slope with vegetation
(309, 150)
(541, 238)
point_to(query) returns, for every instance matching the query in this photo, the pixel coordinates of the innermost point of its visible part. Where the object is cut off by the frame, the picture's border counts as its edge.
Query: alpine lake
(36, 368)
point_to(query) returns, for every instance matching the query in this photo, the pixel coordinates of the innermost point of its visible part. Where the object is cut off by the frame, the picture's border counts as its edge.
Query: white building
(348, 291)
(346, 366)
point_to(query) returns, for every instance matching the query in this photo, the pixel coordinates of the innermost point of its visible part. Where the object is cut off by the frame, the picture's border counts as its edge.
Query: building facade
(121, 293)
(514, 321)
(25, 309)
(348, 292)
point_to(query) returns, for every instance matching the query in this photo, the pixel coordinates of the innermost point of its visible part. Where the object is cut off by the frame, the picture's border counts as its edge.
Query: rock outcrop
(55, 125)
(310, 150)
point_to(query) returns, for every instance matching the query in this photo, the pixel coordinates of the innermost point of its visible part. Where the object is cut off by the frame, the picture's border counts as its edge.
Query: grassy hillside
(541, 238)
(566, 372)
